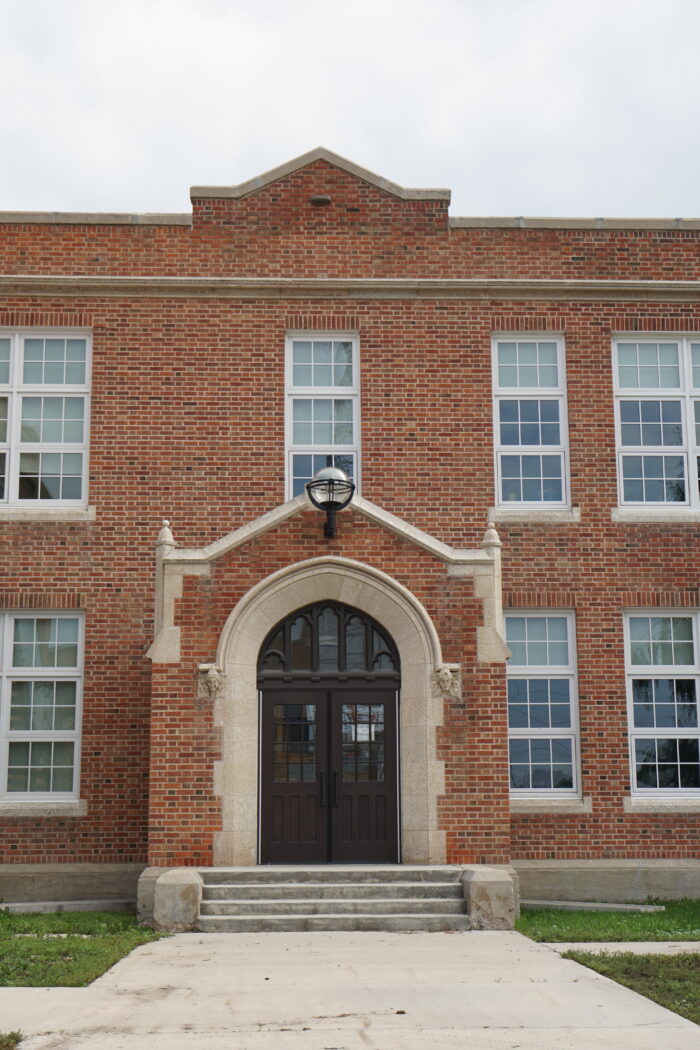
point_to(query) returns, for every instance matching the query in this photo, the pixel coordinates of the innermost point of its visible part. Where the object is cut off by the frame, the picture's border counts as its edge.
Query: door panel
(363, 765)
(293, 751)
(329, 791)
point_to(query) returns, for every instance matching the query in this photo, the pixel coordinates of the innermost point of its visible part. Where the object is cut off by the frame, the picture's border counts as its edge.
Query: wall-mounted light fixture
(330, 490)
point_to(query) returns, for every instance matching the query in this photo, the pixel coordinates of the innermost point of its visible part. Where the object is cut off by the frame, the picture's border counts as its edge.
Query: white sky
(520, 107)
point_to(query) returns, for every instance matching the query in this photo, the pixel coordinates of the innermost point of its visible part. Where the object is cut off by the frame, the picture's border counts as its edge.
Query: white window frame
(684, 393)
(8, 674)
(531, 393)
(572, 732)
(15, 390)
(348, 393)
(660, 671)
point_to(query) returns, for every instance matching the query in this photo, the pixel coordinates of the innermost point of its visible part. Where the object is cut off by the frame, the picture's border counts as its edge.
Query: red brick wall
(187, 423)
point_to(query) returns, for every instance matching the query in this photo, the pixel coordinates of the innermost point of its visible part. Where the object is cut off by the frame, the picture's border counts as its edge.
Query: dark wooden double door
(329, 783)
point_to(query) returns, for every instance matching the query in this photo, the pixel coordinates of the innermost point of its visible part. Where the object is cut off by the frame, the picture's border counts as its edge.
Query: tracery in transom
(328, 638)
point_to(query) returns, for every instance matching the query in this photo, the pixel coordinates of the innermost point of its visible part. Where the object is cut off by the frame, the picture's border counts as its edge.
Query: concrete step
(363, 906)
(331, 873)
(333, 897)
(327, 923)
(331, 890)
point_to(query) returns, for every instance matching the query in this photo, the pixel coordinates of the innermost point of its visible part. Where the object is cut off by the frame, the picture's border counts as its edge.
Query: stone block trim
(176, 900)
(68, 882)
(492, 896)
(620, 880)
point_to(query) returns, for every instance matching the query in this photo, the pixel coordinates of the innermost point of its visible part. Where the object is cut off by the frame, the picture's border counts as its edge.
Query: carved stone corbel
(447, 681)
(210, 681)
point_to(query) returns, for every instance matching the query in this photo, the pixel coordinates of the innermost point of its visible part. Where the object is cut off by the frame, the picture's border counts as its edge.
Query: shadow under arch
(402, 615)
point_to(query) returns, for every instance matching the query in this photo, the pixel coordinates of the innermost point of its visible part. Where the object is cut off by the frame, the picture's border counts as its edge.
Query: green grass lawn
(672, 981)
(679, 922)
(66, 949)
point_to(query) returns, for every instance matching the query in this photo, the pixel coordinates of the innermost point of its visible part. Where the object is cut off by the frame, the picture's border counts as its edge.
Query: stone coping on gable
(244, 189)
(451, 556)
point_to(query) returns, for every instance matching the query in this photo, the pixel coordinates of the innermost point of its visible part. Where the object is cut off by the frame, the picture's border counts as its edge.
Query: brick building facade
(515, 401)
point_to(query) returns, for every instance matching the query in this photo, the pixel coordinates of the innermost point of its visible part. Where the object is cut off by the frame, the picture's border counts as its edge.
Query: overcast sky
(520, 107)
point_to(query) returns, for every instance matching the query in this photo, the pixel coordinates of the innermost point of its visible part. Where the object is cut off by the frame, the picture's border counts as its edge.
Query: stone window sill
(661, 805)
(551, 805)
(58, 514)
(656, 515)
(536, 515)
(43, 808)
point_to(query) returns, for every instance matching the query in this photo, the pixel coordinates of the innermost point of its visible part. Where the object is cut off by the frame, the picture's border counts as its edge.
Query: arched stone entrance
(406, 621)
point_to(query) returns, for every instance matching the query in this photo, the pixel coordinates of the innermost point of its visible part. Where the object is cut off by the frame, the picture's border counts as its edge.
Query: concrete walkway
(348, 991)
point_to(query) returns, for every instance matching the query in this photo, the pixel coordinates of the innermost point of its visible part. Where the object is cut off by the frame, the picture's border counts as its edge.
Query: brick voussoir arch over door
(402, 616)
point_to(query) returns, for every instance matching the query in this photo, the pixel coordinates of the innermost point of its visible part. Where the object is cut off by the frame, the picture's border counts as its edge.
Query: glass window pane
(302, 375)
(301, 351)
(39, 779)
(62, 780)
(507, 353)
(300, 644)
(5, 347)
(355, 644)
(508, 376)
(328, 640)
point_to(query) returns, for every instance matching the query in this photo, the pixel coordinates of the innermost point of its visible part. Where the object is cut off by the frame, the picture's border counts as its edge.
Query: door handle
(324, 797)
(336, 792)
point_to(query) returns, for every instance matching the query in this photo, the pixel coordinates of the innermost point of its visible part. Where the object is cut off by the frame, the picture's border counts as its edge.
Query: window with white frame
(530, 425)
(663, 671)
(542, 704)
(657, 389)
(322, 410)
(44, 412)
(40, 704)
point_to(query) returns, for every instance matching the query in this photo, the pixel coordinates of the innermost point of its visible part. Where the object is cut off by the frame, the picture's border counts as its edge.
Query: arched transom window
(328, 639)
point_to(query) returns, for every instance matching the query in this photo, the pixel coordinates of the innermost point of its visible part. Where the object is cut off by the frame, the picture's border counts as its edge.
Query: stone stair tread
(356, 906)
(340, 915)
(283, 923)
(340, 886)
(261, 902)
(334, 873)
(311, 885)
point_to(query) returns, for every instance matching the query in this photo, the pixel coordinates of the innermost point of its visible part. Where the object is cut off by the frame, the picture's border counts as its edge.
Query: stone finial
(491, 537)
(165, 536)
(210, 681)
(447, 681)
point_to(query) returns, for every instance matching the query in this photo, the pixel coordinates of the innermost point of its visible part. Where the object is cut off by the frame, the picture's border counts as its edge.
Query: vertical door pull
(324, 796)
(336, 792)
